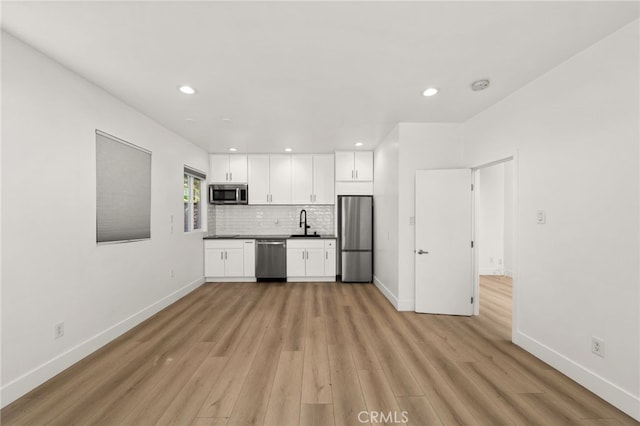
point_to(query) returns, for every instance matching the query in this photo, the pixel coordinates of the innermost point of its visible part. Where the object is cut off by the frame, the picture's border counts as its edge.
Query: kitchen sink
(304, 236)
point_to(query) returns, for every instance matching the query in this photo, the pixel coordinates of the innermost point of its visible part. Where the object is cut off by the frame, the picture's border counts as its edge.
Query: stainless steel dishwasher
(271, 259)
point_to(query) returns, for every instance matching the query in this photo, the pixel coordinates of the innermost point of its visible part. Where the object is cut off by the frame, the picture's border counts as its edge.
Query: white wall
(52, 269)
(422, 146)
(385, 216)
(491, 208)
(575, 131)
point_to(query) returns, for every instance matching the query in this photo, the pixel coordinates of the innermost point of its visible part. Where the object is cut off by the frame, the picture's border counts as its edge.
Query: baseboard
(230, 279)
(310, 279)
(32, 379)
(400, 305)
(606, 390)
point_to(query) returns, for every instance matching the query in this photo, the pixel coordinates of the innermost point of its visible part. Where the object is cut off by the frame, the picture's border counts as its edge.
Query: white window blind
(123, 185)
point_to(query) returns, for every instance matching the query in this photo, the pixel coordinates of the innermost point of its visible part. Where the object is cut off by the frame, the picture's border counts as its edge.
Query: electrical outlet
(58, 330)
(412, 220)
(597, 346)
(541, 217)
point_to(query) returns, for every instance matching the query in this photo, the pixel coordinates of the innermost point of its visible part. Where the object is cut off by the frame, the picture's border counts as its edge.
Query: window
(192, 198)
(123, 190)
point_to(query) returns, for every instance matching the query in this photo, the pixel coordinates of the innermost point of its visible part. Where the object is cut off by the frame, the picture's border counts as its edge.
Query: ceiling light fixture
(226, 120)
(430, 91)
(288, 149)
(187, 90)
(479, 85)
(359, 144)
(190, 120)
(233, 149)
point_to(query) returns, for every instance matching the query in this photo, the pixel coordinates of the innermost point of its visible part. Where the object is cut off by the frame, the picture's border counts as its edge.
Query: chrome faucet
(305, 221)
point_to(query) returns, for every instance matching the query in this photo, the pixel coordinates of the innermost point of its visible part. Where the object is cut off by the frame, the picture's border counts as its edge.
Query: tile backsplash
(269, 220)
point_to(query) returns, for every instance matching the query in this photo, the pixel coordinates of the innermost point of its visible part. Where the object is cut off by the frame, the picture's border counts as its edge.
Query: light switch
(412, 220)
(541, 217)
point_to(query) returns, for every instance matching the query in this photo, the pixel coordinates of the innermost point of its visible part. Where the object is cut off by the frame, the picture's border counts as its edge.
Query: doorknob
(422, 252)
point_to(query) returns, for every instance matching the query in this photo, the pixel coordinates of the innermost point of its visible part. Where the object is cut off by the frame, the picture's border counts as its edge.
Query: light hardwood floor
(313, 354)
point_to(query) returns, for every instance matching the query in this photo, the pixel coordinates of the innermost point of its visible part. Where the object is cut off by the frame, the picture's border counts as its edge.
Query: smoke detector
(479, 85)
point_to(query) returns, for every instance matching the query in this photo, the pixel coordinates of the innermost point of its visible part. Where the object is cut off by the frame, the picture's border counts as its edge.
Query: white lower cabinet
(311, 259)
(229, 260)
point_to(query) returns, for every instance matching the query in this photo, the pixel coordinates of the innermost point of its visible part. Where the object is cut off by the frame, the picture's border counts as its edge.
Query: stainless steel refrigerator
(355, 237)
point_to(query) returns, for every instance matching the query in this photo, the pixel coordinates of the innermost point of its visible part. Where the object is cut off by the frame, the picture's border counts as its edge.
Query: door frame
(515, 246)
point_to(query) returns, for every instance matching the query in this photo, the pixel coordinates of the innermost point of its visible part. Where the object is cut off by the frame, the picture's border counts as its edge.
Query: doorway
(494, 260)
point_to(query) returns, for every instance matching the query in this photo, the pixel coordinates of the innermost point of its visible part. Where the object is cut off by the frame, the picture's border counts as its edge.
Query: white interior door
(444, 281)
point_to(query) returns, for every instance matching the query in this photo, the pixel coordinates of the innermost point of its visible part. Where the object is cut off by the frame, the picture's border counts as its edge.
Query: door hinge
(471, 244)
(471, 299)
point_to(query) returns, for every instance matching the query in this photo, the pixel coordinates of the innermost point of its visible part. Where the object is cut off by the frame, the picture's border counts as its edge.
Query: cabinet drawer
(307, 243)
(225, 244)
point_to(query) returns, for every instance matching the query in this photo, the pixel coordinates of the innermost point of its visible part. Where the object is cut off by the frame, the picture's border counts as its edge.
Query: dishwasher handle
(274, 243)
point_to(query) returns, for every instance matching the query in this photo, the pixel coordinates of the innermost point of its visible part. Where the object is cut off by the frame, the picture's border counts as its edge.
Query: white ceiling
(314, 76)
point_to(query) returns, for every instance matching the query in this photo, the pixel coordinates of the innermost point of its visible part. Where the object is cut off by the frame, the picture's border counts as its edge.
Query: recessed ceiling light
(187, 90)
(430, 91)
(233, 149)
(190, 120)
(226, 120)
(359, 144)
(288, 149)
(479, 85)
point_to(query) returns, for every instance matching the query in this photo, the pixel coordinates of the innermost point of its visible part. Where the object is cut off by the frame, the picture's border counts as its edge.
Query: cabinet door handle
(267, 198)
(311, 198)
(326, 255)
(226, 176)
(303, 255)
(230, 175)
(225, 255)
(221, 255)
(356, 174)
(351, 174)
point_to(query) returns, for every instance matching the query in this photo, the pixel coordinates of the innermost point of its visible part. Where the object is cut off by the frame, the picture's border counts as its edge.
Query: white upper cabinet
(228, 168)
(344, 166)
(354, 166)
(301, 179)
(312, 179)
(238, 168)
(291, 179)
(269, 179)
(323, 179)
(280, 179)
(363, 165)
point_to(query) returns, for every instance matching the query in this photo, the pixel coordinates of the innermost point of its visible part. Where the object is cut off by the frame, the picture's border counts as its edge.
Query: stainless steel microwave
(228, 194)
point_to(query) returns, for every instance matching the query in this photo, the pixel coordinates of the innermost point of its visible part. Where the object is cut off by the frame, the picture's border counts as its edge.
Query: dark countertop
(264, 237)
